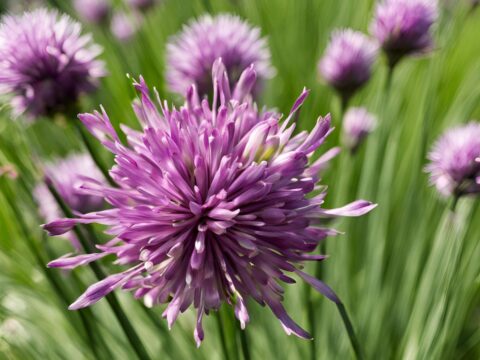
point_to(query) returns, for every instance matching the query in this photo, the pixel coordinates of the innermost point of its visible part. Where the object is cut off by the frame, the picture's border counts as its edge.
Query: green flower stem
(93, 154)
(223, 340)
(111, 298)
(244, 344)
(311, 316)
(350, 331)
(454, 203)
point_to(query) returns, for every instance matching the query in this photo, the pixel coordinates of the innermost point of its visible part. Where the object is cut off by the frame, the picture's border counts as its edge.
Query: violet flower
(45, 62)
(402, 27)
(357, 124)
(93, 11)
(66, 175)
(124, 26)
(212, 204)
(455, 161)
(192, 52)
(347, 63)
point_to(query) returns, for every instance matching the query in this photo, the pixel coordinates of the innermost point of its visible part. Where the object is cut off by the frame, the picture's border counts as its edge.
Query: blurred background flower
(93, 11)
(45, 62)
(455, 161)
(67, 177)
(124, 25)
(403, 27)
(191, 53)
(347, 62)
(356, 125)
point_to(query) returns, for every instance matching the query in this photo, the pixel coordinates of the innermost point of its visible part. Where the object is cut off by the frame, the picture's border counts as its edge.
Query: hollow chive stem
(350, 331)
(244, 344)
(93, 154)
(454, 202)
(223, 340)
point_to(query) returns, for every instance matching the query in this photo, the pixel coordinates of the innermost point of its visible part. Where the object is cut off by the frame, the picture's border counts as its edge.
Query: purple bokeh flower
(357, 124)
(45, 62)
(455, 161)
(211, 204)
(66, 175)
(124, 26)
(402, 27)
(192, 52)
(348, 60)
(142, 5)
(93, 11)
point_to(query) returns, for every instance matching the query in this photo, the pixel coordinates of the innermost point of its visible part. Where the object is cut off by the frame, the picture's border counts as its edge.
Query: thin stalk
(344, 100)
(223, 340)
(309, 293)
(311, 320)
(388, 81)
(93, 154)
(454, 203)
(350, 331)
(111, 298)
(244, 344)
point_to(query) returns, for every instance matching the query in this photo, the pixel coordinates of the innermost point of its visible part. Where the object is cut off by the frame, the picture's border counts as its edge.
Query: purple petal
(241, 313)
(320, 286)
(356, 208)
(59, 227)
(99, 125)
(98, 290)
(288, 324)
(299, 102)
(245, 83)
(73, 262)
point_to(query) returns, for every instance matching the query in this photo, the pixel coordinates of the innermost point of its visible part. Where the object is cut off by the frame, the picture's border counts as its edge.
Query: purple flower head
(142, 5)
(124, 26)
(66, 175)
(45, 62)
(357, 124)
(211, 204)
(455, 161)
(192, 52)
(93, 11)
(403, 27)
(348, 60)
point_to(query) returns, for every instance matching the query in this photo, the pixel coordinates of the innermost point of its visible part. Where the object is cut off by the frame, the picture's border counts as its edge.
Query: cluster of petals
(192, 52)
(94, 11)
(403, 27)
(455, 161)
(213, 204)
(45, 62)
(347, 62)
